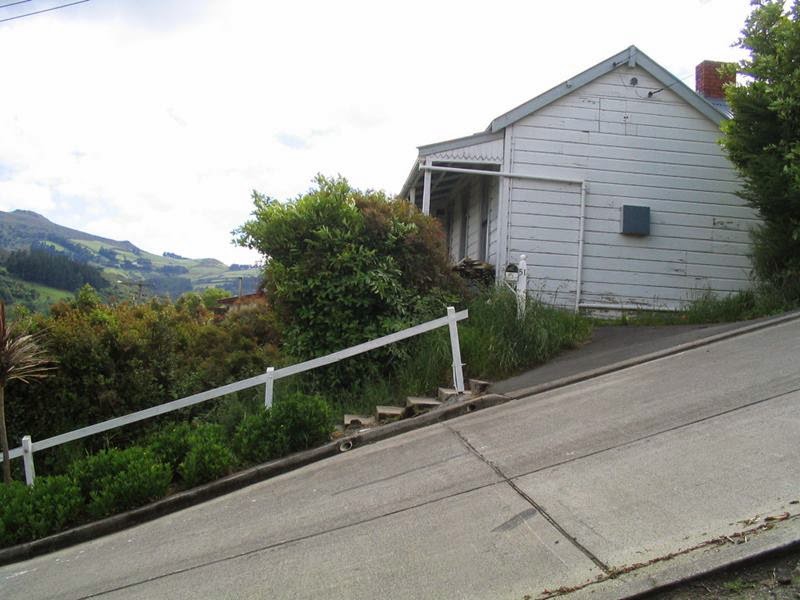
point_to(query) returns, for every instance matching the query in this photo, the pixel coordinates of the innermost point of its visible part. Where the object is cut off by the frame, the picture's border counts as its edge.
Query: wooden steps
(414, 405)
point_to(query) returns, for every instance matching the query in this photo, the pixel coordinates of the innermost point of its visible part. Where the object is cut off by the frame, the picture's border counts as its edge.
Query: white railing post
(522, 286)
(268, 390)
(27, 459)
(458, 374)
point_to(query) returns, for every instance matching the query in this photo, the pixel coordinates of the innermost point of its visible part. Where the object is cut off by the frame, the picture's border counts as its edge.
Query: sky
(153, 120)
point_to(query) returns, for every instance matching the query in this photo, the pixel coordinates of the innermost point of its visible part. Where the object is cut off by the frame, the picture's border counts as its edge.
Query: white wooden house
(613, 185)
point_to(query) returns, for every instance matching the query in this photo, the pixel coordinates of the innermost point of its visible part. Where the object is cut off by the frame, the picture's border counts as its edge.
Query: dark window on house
(462, 242)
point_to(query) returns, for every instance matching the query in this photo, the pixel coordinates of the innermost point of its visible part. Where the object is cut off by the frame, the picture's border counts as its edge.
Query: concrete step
(416, 405)
(358, 421)
(444, 394)
(422, 403)
(478, 386)
(389, 412)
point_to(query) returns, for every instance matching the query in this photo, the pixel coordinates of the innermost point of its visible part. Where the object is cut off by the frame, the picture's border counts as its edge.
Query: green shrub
(113, 481)
(229, 410)
(345, 266)
(207, 458)
(117, 359)
(295, 422)
(196, 452)
(305, 421)
(14, 509)
(171, 444)
(56, 503)
(257, 439)
(28, 513)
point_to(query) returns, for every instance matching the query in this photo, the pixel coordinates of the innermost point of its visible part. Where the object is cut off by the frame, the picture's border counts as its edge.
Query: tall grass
(494, 342)
(707, 307)
(760, 301)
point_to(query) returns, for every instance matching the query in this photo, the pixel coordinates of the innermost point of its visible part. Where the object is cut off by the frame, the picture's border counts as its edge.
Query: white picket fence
(28, 446)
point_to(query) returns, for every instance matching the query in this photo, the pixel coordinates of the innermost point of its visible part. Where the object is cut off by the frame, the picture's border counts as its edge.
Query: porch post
(503, 202)
(426, 188)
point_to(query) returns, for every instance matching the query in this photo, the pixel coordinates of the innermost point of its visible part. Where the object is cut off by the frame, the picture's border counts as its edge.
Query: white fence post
(522, 286)
(458, 374)
(27, 459)
(268, 390)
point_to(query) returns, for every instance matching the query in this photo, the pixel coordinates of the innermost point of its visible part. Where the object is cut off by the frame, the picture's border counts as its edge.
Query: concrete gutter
(454, 408)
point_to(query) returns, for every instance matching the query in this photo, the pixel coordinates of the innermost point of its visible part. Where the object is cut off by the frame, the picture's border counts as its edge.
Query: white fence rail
(28, 446)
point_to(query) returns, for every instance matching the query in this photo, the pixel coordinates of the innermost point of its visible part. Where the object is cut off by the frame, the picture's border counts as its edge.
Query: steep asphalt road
(643, 472)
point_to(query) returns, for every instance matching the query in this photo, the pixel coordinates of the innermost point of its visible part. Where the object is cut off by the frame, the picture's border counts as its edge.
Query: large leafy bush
(296, 422)
(763, 138)
(27, 513)
(207, 457)
(345, 266)
(114, 480)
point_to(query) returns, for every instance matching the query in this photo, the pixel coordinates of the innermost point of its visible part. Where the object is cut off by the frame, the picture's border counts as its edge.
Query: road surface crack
(605, 568)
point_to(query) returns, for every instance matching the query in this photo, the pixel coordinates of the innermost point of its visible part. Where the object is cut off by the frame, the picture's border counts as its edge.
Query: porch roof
(481, 151)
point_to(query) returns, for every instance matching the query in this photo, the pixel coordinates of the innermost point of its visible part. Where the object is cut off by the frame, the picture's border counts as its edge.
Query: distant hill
(130, 271)
(20, 228)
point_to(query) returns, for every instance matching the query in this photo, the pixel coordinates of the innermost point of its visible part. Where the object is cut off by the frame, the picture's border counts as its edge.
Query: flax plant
(23, 359)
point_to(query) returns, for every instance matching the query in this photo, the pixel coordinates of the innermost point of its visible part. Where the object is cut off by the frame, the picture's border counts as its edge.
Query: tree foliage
(344, 266)
(22, 359)
(116, 359)
(53, 269)
(763, 138)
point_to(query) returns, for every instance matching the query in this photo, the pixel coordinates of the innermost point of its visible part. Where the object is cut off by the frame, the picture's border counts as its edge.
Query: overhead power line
(38, 12)
(14, 3)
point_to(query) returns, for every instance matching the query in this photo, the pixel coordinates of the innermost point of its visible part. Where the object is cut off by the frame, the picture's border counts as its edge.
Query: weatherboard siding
(546, 231)
(657, 152)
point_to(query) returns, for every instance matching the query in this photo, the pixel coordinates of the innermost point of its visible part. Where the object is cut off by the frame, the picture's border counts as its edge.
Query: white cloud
(145, 122)
(16, 193)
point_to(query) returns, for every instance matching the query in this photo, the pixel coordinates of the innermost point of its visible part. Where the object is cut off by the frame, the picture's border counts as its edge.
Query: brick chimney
(708, 81)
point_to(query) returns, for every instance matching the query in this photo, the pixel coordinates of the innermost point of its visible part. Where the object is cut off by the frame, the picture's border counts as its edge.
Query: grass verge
(707, 307)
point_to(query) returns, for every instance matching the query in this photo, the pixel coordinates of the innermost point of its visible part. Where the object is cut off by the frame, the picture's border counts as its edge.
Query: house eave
(411, 180)
(457, 143)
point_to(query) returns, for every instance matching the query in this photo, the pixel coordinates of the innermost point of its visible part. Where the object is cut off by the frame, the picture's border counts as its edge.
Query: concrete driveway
(600, 489)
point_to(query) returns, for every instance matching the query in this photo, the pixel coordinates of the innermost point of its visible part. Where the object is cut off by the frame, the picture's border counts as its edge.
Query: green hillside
(35, 296)
(131, 271)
